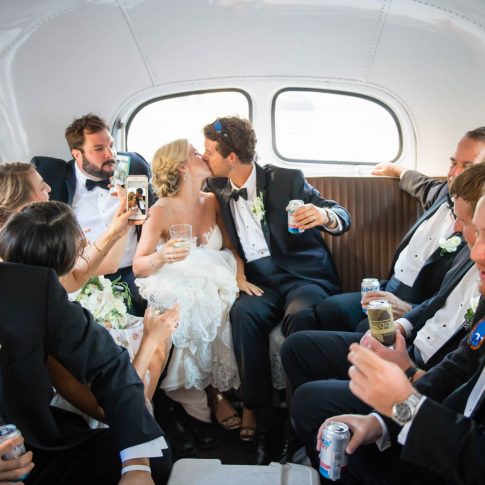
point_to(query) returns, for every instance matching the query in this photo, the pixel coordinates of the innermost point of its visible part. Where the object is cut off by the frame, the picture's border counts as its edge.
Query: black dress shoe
(264, 448)
(204, 434)
(180, 440)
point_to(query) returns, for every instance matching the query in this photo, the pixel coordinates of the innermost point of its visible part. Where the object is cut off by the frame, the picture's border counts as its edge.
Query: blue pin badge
(477, 335)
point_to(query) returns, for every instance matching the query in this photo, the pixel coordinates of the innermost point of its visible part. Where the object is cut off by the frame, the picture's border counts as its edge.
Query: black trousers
(286, 299)
(95, 461)
(340, 312)
(316, 366)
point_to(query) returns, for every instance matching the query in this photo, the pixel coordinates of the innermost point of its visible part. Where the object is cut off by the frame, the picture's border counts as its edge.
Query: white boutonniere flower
(257, 208)
(449, 245)
(470, 313)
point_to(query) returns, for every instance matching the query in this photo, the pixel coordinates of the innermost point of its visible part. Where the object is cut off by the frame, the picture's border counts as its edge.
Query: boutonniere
(449, 245)
(257, 208)
(469, 314)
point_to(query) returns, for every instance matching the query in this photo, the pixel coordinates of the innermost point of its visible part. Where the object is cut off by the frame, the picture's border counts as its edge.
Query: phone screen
(137, 195)
(122, 169)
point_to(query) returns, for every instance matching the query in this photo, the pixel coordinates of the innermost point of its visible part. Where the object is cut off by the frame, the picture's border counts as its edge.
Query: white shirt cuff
(384, 441)
(337, 218)
(150, 449)
(407, 325)
(403, 435)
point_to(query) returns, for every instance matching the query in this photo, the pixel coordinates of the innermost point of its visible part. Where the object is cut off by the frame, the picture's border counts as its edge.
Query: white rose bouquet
(105, 300)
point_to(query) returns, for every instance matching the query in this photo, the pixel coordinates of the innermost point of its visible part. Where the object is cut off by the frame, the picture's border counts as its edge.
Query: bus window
(182, 116)
(333, 127)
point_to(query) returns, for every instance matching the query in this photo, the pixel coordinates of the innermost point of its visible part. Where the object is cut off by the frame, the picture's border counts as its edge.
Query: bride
(200, 276)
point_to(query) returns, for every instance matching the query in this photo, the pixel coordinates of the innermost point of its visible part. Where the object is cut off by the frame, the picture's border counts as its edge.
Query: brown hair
(233, 134)
(43, 234)
(165, 167)
(477, 134)
(15, 188)
(87, 124)
(469, 185)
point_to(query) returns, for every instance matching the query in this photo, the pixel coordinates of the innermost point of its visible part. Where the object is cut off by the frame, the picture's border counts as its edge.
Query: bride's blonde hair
(165, 167)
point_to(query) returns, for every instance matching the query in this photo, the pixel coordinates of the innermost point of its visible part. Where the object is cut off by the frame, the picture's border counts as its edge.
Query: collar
(249, 185)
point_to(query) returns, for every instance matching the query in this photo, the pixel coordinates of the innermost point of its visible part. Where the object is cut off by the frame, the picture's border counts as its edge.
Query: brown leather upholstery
(381, 215)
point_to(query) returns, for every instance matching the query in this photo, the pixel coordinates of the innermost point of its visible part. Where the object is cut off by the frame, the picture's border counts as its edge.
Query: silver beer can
(369, 284)
(10, 431)
(335, 437)
(293, 206)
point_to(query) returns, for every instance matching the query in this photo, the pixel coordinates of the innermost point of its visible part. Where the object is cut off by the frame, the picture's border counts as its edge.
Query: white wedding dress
(205, 287)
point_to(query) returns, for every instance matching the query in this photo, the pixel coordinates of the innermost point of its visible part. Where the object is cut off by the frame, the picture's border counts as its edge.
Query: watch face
(402, 412)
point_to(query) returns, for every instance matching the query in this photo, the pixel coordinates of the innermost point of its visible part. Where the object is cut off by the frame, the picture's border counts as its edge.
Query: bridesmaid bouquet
(105, 300)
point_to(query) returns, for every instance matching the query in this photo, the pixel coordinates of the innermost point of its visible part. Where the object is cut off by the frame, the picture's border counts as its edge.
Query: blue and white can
(333, 460)
(293, 206)
(369, 284)
(10, 431)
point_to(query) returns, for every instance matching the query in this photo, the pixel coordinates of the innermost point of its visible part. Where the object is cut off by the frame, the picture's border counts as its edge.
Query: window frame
(333, 162)
(179, 95)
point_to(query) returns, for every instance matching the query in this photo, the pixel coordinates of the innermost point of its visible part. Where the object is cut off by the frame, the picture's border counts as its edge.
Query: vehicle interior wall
(61, 59)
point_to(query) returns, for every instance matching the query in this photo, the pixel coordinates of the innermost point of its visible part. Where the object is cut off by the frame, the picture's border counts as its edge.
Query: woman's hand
(170, 253)
(12, 470)
(244, 285)
(160, 326)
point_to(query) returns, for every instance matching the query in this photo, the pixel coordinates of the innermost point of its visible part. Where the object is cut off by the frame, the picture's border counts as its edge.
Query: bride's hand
(244, 285)
(171, 253)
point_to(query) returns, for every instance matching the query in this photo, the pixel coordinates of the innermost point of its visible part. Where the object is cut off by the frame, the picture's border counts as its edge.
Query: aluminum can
(381, 322)
(369, 284)
(10, 431)
(293, 205)
(333, 460)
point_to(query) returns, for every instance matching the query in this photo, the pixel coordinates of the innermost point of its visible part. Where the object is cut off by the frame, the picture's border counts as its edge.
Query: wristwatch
(404, 411)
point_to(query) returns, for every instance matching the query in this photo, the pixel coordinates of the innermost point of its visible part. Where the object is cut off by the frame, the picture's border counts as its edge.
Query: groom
(293, 272)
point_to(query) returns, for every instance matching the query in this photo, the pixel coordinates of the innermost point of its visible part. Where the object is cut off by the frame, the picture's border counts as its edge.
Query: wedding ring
(157, 312)
(177, 324)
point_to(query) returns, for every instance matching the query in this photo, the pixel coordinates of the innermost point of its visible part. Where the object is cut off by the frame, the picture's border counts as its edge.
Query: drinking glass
(182, 232)
(162, 300)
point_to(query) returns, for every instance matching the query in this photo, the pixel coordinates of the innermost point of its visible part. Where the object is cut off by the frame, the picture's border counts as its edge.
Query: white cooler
(195, 471)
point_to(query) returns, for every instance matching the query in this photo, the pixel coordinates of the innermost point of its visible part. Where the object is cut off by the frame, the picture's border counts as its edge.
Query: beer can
(333, 460)
(381, 322)
(293, 205)
(369, 284)
(10, 431)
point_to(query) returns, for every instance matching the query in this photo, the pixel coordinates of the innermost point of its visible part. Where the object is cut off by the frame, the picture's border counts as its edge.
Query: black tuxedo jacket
(440, 438)
(304, 255)
(61, 176)
(36, 320)
(432, 194)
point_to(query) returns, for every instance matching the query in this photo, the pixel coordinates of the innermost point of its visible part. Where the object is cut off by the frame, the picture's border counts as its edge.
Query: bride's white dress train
(205, 287)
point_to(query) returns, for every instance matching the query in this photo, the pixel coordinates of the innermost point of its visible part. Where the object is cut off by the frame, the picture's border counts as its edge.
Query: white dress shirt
(95, 210)
(423, 243)
(449, 318)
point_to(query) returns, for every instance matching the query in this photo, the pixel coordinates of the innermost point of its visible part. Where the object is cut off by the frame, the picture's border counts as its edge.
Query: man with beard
(83, 184)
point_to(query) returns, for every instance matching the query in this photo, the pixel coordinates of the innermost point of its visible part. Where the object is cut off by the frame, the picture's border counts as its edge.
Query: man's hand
(375, 381)
(12, 470)
(364, 430)
(399, 307)
(309, 216)
(249, 288)
(399, 354)
(386, 169)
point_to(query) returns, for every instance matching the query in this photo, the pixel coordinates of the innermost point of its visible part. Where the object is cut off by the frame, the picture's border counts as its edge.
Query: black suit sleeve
(87, 350)
(422, 187)
(447, 443)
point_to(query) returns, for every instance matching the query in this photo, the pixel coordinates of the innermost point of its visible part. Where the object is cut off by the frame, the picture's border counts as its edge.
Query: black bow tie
(235, 194)
(103, 184)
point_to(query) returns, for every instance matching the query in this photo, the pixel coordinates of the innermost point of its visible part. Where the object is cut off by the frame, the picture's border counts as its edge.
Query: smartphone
(137, 195)
(122, 169)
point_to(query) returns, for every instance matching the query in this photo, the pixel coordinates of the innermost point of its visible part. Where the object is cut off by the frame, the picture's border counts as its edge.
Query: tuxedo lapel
(70, 181)
(262, 191)
(405, 240)
(225, 197)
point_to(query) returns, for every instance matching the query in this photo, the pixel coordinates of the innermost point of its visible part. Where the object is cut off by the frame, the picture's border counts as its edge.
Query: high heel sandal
(229, 422)
(247, 433)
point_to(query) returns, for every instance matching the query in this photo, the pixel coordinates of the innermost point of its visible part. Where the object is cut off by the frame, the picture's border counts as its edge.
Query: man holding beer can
(15, 462)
